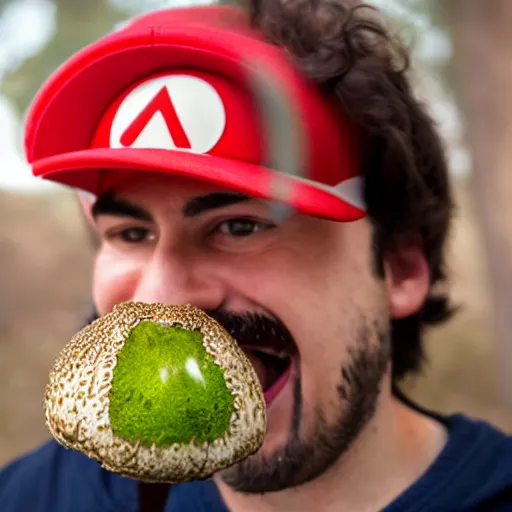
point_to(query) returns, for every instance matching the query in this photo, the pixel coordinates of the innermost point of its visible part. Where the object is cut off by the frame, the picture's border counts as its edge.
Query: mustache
(248, 328)
(251, 328)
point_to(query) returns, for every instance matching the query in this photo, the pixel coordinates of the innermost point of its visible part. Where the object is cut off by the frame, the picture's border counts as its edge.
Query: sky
(26, 25)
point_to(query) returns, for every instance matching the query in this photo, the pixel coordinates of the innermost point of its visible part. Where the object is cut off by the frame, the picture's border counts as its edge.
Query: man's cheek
(115, 280)
(320, 379)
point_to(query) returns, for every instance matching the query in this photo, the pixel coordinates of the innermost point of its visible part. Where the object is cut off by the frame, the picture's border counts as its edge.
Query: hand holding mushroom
(157, 393)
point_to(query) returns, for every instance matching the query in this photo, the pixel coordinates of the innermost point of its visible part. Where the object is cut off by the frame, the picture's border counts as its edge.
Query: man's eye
(241, 227)
(133, 235)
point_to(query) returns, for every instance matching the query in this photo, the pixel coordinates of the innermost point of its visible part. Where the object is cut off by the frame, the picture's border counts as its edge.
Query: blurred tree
(482, 77)
(77, 24)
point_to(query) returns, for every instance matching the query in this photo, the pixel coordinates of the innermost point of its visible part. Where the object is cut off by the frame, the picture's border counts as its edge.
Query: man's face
(301, 295)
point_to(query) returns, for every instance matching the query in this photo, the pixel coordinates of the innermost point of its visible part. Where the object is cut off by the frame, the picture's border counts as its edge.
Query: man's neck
(392, 452)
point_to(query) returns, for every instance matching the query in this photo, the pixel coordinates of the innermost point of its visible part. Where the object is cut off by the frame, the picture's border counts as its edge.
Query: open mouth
(267, 343)
(273, 370)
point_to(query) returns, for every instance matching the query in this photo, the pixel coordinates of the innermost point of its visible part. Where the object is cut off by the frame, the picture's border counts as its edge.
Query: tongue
(259, 366)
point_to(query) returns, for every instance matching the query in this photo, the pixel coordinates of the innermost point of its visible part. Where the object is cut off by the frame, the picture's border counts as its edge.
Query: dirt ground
(45, 271)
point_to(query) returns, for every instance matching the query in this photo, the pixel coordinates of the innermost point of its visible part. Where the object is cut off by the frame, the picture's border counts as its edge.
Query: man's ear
(407, 279)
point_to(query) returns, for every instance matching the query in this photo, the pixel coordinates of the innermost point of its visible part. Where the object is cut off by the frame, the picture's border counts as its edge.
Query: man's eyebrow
(108, 204)
(202, 204)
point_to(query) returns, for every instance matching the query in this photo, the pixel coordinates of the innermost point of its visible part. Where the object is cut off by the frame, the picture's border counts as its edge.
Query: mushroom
(157, 393)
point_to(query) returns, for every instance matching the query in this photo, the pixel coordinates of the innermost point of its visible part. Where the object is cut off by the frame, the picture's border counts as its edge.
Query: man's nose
(176, 279)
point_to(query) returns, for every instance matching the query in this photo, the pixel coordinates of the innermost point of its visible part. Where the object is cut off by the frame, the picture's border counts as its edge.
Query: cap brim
(83, 169)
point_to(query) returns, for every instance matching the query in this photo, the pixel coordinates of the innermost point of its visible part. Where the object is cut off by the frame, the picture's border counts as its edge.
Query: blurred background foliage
(461, 55)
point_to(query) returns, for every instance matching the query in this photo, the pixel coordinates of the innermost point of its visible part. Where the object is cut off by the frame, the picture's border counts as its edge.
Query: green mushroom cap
(167, 389)
(158, 393)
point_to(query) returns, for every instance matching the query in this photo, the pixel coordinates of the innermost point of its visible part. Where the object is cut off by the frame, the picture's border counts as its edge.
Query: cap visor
(82, 170)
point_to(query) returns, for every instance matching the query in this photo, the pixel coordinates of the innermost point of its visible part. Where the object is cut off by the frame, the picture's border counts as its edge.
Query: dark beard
(302, 460)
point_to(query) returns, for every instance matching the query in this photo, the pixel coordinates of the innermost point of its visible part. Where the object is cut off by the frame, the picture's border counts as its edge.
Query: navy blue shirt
(472, 473)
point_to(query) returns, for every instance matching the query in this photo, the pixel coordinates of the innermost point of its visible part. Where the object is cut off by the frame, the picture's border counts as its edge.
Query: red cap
(195, 92)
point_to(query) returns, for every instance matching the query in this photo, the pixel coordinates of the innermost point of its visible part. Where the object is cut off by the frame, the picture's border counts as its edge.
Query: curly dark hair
(347, 49)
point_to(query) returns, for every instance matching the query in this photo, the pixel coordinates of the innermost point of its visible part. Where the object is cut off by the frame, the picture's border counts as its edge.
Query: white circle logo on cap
(178, 112)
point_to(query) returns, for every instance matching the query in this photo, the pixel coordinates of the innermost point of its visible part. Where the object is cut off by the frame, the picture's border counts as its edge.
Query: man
(276, 171)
